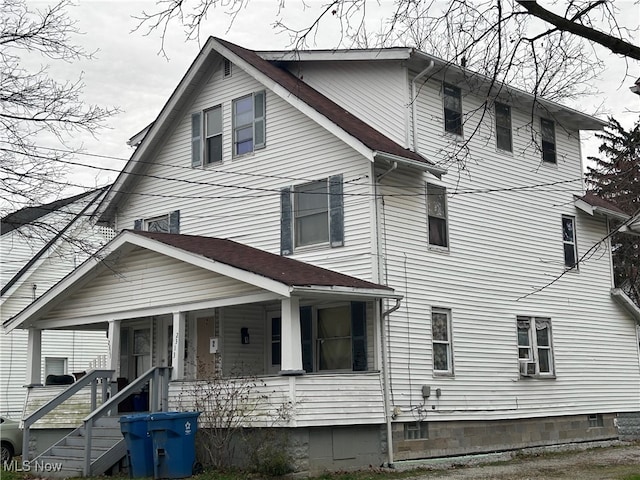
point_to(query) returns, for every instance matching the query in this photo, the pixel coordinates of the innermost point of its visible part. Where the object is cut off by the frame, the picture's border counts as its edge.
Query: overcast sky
(128, 72)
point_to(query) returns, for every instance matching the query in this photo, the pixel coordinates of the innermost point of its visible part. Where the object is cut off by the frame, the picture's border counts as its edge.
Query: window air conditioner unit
(527, 369)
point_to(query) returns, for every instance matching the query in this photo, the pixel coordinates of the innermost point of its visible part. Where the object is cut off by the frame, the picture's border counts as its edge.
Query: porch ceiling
(143, 273)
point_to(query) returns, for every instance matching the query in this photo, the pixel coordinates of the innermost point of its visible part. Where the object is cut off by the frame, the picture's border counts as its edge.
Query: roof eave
(318, 290)
(623, 299)
(424, 166)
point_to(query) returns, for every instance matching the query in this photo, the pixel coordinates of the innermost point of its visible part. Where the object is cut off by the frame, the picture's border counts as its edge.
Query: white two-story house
(407, 261)
(38, 246)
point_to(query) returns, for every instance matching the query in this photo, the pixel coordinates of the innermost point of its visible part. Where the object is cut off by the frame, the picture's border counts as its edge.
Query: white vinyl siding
(365, 89)
(211, 203)
(141, 281)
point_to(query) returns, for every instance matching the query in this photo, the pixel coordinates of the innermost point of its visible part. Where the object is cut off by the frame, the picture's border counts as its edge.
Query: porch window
(55, 366)
(332, 338)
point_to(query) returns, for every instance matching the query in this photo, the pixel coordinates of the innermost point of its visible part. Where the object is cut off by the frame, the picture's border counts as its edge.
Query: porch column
(114, 347)
(177, 353)
(34, 357)
(291, 361)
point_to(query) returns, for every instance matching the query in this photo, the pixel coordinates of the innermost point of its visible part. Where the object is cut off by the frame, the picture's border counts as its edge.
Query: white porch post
(291, 361)
(114, 347)
(34, 358)
(177, 353)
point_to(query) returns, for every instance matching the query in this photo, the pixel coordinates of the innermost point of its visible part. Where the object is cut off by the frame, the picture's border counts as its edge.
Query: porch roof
(288, 271)
(142, 288)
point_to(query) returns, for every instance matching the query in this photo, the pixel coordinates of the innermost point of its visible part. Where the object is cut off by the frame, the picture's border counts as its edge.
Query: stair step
(76, 452)
(95, 441)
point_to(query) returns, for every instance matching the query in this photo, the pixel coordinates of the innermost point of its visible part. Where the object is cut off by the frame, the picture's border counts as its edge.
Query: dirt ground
(611, 461)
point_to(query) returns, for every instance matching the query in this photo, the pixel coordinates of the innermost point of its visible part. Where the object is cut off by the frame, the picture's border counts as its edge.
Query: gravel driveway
(612, 460)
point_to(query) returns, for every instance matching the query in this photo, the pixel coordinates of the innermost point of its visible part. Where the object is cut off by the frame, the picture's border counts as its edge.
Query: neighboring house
(38, 247)
(311, 218)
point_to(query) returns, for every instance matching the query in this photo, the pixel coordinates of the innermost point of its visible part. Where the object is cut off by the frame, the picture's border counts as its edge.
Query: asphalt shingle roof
(286, 270)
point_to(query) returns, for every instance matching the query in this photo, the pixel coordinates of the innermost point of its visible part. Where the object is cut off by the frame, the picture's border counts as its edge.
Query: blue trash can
(174, 443)
(139, 444)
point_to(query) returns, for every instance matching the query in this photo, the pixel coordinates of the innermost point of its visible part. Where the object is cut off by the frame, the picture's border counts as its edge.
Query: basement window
(416, 431)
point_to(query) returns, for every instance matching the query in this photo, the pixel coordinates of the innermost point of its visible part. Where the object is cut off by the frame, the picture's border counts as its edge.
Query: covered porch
(211, 309)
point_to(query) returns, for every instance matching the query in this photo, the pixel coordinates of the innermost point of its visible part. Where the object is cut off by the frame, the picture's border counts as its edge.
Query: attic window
(227, 68)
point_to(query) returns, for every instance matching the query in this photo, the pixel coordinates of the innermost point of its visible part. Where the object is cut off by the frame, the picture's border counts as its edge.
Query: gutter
(385, 379)
(413, 100)
(424, 166)
(625, 301)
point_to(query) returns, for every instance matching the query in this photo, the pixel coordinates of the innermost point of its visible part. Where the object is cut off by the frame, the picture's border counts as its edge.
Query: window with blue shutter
(312, 214)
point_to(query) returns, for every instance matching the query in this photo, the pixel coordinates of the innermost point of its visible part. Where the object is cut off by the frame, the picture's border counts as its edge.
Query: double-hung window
(437, 215)
(312, 214)
(248, 123)
(569, 242)
(332, 338)
(452, 109)
(535, 350)
(503, 127)
(213, 133)
(442, 345)
(548, 133)
(248, 129)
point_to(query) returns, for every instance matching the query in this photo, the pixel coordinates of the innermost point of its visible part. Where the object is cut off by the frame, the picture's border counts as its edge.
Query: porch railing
(91, 378)
(158, 377)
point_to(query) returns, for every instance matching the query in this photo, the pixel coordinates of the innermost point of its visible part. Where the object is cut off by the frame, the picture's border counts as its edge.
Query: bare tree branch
(615, 44)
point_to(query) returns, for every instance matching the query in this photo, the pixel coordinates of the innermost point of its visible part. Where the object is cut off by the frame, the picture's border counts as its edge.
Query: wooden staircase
(67, 457)
(98, 444)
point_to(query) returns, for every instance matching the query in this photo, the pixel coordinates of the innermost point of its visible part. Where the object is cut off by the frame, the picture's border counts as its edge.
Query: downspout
(385, 379)
(414, 100)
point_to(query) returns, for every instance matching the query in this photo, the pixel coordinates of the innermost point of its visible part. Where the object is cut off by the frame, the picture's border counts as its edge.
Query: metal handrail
(90, 378)
(158, 398)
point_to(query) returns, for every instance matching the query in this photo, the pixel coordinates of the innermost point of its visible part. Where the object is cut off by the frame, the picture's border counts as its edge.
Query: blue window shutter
(286, 226)
(174, 222)
(359, 335)
(196, 139)
(336, 211)
(306, 334)
(137, 224)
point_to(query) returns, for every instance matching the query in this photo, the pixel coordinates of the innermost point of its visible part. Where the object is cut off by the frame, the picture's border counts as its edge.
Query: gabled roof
(351, 124)
(293, 90)
(36, 213)
(29, 215)
(281, 276)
